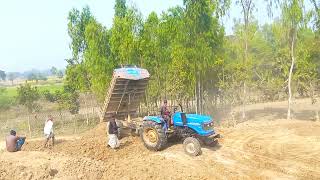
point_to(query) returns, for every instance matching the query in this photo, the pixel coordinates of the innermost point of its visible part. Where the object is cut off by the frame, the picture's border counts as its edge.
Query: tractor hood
(196, 122)
(196, 118)
(192, 119)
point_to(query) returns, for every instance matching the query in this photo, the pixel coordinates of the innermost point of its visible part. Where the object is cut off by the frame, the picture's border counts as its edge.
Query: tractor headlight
(207, 126)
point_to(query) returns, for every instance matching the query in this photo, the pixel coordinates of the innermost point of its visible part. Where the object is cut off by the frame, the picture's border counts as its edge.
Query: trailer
(126, 91)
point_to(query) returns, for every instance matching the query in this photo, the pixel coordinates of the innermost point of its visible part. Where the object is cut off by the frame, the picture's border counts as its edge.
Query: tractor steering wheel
(176, 108)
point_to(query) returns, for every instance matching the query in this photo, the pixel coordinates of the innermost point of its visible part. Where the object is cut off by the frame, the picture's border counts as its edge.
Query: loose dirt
(278, 149)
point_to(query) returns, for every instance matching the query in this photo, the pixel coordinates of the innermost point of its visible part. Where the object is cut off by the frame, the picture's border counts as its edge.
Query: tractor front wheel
(153, 136)
(192, 146)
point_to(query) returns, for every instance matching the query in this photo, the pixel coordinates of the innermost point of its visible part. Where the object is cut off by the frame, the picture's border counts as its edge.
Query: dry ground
(278, 149)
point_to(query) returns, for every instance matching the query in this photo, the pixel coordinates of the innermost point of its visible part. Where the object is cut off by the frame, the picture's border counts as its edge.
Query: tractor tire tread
(196, 143)
(162, 142)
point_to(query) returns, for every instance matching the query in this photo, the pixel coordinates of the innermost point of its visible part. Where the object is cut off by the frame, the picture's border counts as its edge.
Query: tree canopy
(189, 56)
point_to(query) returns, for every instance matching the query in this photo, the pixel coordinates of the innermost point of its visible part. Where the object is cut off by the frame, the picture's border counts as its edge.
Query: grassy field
(11, 92)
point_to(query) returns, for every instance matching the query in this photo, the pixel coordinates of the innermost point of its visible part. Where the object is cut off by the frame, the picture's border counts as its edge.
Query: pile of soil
(92, 144)
(251, 150)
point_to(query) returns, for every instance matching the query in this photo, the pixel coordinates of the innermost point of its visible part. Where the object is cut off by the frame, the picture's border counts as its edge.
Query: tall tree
(293, 19)
(28, 96)
(247, 8)
(97, 58)
(12, 76)
(2, 75)
(202, 39)
(54, 70)
(124, 36)
(120, 8)
(77, 74)
(150, 54)
(316, 14)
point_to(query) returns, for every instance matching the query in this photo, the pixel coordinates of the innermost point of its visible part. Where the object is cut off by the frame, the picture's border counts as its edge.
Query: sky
(33, 34)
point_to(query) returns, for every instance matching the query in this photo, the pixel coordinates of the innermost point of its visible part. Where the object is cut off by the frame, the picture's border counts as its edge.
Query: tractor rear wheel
(192, 146)
(153, 136)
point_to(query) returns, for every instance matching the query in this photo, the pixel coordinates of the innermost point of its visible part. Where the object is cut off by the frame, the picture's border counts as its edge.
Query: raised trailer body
(125, 93)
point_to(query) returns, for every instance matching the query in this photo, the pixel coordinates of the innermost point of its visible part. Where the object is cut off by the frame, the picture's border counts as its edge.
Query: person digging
(48, 131)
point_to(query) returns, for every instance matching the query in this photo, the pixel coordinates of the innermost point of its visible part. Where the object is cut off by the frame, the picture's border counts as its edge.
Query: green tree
(66, 99)
(54, 70)
(201, 39)
(76, 72)
(124, 37)
(5, 101)
(28, 97)
(247, 8)
(60, 74)
(2, 75)
(293, 17)
(150, 55)
(12, 76)
(316, 15)
(120, 8)
(97, 58)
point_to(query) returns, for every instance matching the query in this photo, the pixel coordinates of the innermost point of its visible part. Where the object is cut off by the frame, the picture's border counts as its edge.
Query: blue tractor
(194, 130)
(126, 91)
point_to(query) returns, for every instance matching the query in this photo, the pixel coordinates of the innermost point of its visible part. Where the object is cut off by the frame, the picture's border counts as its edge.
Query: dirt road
(277, 149)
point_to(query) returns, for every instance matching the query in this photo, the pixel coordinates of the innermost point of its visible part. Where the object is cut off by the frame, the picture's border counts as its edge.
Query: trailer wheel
(192, 146)
(153, 136)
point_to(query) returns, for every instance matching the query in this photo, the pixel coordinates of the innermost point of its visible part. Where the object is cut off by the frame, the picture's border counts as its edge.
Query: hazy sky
(33, 34)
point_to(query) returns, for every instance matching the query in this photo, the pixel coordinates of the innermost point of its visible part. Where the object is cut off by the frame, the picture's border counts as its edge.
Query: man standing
(48, 131)
(14, 142)
(113, 133)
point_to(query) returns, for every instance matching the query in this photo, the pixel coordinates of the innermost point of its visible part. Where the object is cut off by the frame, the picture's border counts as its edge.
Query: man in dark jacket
(14, 142)
(113, 133)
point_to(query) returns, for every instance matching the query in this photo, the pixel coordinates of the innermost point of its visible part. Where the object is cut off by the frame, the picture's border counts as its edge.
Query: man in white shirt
(48, 130)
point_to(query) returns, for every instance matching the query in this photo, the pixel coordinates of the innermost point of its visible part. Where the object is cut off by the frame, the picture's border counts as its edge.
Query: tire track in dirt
(259, 148)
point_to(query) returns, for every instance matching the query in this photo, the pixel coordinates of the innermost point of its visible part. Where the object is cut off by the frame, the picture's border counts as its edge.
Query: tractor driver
(165, 113)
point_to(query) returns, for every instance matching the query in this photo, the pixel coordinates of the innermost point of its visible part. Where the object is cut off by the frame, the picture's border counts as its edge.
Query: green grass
(11, 92)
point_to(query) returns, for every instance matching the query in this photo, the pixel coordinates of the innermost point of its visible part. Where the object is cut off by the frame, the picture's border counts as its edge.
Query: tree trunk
(200, 93)
(29, 126)
(75, 123)
(246, 12)
(314, 101)
(244, 102)
(196, 97)
(290, 77)
(85, 105)
(60, 114)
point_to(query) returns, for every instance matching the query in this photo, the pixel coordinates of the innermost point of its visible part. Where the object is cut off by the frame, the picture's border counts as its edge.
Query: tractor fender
(156, 119)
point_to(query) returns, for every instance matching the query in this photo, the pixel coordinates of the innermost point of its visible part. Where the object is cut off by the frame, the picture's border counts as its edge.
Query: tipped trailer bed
(126, 91)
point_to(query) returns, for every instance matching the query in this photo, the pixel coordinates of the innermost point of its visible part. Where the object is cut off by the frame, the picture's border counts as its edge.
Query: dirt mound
(92, 144)
(44, 165)
(252, 150)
